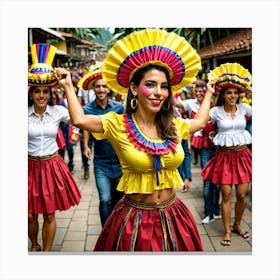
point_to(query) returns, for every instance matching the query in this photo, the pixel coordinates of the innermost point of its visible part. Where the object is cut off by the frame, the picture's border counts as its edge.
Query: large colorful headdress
(150, 46)
(94, 73)
(231, 75)
(41, 71)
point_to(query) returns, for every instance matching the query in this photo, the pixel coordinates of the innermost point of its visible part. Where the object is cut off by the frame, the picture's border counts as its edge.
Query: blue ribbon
(157, 166)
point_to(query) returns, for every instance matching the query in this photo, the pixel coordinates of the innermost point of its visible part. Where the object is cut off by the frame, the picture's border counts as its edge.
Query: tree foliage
(83, 33)
(197, 37)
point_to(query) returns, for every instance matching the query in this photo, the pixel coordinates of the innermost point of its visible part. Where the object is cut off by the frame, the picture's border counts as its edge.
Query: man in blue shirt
(107, 169)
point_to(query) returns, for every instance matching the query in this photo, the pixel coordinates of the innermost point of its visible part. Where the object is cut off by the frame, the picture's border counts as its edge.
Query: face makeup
(145, 90)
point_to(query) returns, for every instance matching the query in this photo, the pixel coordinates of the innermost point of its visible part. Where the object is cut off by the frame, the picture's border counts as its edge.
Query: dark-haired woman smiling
(51, 186)
(232, 163)
(147, 140)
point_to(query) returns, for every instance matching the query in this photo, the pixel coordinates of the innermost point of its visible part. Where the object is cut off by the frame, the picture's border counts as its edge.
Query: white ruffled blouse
(231, 131)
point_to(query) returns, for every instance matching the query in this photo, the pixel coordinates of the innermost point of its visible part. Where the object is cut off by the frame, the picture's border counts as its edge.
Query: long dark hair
(31, 102)
(221, 99)
(164, 117)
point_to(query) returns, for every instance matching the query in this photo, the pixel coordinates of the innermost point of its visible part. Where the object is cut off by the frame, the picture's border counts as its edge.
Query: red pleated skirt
(197, 142)
(227, 167)
(51, 186)
(133, 226)
(60, 139)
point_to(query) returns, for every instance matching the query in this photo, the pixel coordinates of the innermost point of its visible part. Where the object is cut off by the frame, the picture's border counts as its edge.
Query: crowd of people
(140, 122)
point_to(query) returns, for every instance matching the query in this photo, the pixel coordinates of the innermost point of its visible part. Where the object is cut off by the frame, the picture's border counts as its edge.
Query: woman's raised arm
(202, 116)
(79, 118)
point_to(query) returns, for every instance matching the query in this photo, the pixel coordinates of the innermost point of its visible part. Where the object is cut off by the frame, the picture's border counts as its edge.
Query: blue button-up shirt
(104, 154)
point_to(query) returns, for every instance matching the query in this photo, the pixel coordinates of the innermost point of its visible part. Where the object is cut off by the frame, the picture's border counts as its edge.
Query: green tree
(82, 33)
(197, 37)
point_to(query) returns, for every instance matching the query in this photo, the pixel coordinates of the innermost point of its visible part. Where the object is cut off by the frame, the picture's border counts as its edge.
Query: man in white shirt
(85, 96)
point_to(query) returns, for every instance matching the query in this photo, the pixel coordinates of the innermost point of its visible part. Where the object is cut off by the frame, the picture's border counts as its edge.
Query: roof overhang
(53, 32)
(59, 52)
(238, 43)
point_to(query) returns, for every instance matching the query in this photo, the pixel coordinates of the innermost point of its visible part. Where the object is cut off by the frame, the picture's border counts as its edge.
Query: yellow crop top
(139, 175)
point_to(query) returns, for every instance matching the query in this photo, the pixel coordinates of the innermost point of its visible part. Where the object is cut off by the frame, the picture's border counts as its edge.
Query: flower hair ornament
(231, 75)
(41, 72)
(150, 46)
(94, 73)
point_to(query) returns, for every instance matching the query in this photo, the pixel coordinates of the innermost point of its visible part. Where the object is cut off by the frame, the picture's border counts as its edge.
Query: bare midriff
(158, 196)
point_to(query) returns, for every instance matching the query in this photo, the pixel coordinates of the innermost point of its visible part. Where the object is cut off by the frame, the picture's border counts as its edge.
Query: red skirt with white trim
(227, 167)
(134, 226)
(51, 186)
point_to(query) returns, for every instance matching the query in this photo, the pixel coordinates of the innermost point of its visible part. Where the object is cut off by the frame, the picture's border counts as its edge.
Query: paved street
(79, 227)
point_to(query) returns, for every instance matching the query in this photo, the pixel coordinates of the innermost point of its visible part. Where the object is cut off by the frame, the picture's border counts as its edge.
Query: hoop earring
(133, 102)
(166, 108)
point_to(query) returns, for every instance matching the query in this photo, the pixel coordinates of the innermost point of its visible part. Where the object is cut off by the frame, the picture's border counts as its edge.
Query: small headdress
(231, 75)
(94, 73)
(41, 71)
(150, 46)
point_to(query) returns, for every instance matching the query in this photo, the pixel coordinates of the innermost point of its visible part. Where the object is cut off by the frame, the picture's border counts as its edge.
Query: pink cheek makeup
(145, 90)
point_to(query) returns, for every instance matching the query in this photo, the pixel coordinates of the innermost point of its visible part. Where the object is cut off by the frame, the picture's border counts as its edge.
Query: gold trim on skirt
(43, 157)
(149, 206)
(232, 148)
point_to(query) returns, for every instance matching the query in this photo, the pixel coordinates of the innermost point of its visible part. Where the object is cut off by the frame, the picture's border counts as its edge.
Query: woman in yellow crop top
(147, 139)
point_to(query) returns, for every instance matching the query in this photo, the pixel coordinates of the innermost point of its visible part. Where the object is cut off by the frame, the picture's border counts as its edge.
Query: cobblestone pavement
(78, 228)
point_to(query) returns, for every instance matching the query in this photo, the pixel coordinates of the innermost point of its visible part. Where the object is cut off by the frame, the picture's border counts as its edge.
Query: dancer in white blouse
(232, 163)
(51, 186)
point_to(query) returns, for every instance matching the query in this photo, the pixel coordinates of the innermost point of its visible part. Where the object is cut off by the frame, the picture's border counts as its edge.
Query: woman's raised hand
(210, 86)
(63, 76)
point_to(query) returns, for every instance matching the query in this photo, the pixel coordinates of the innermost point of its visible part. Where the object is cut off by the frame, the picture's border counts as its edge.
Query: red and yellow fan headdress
(231, 75)
(150, 46)
(94, 73)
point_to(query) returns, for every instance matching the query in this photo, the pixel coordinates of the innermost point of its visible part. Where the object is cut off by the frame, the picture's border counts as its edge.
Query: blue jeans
(69, 147)
(211, 192)
(249, 126)
(185, 167)
(84, 158)
(107, 190)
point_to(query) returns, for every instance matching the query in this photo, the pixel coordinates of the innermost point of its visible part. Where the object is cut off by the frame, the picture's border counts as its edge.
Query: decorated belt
(149, 206)
(232, 148)
(43, 157)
